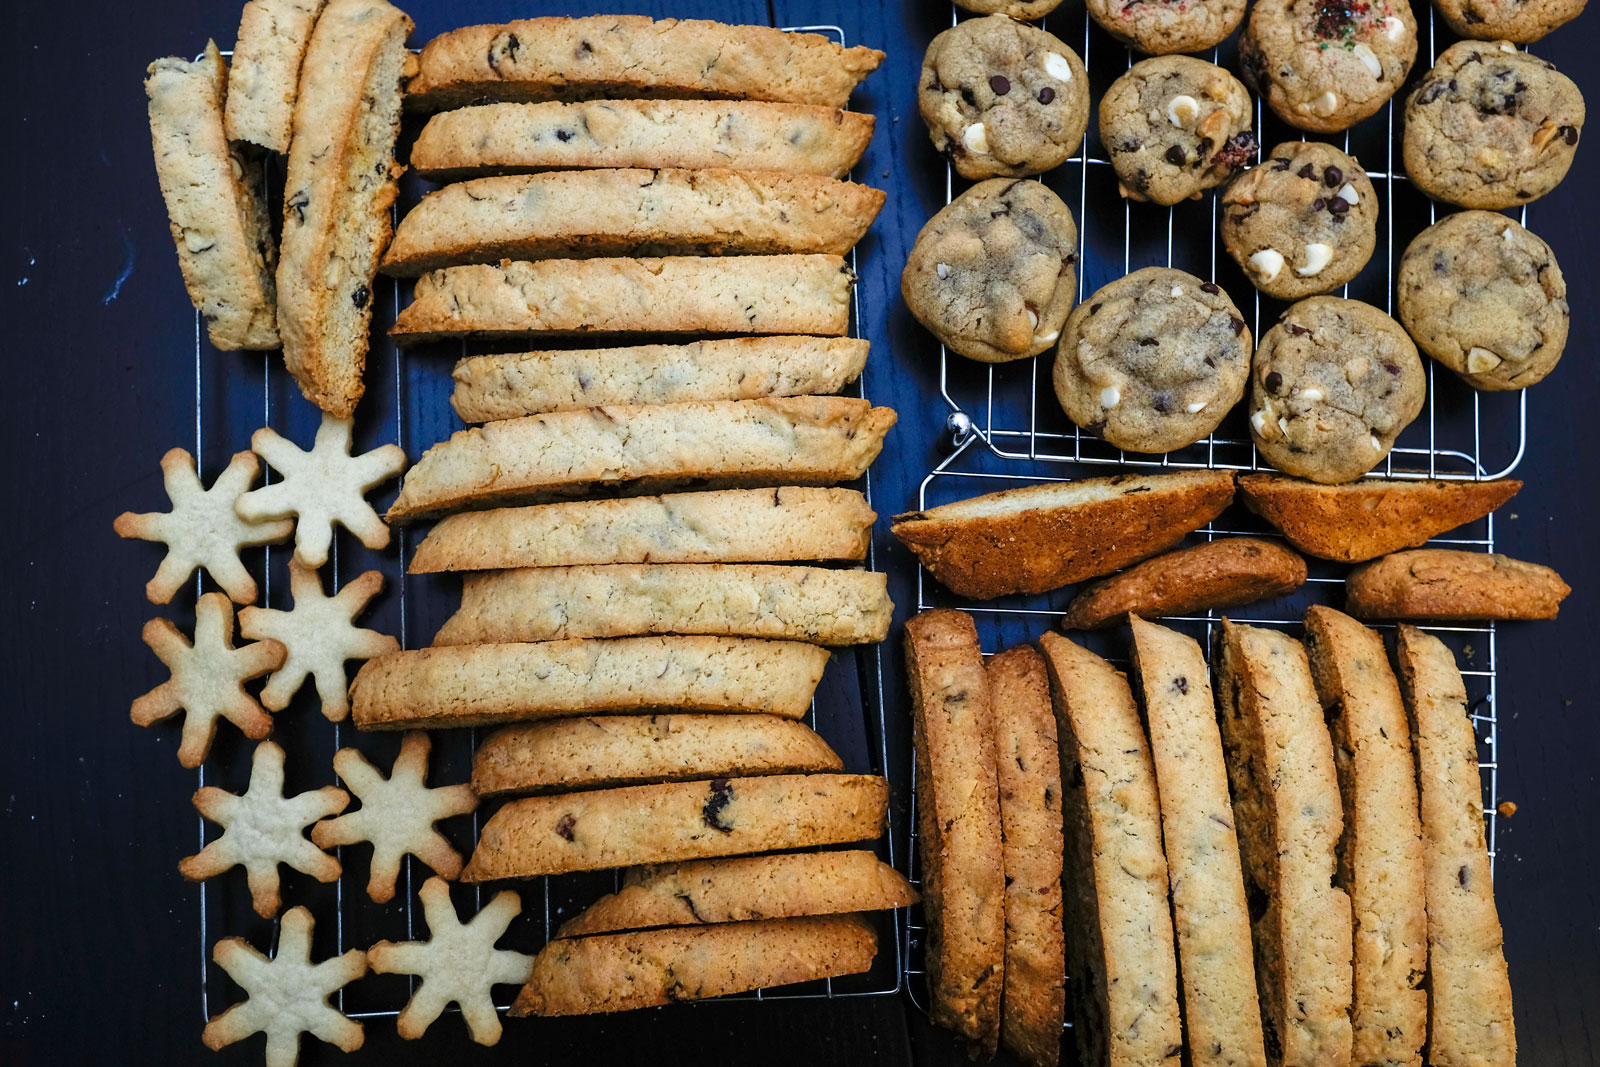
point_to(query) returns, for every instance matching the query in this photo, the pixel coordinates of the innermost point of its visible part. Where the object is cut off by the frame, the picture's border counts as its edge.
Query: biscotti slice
(1287, 808)
(676, 295)
(958, 825)
(511, 385)
(809, 440)
(609, 750)
(1189, 581)
(1380, 856)
(336, 196)
(638, 824)
(1119, 943)
(1452, 585)
(816, 604)
(582, 213)
(744, 888)
(648, 968)
(273, 37)
(1042, 537)
(476, 685)
(634, 56)
(1222, 1015)
(1033, 1006)
(746, 135)
(1469, 1006)
(216, 202)
(1371, 517)
(727, 526)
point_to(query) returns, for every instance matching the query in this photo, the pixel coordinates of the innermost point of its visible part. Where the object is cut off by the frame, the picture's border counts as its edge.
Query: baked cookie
(1160, 27)
(1486, 298)
(1153, 361)
(1508, 20)
(1491, 127)
(1333, 384)
(1205, 577)
(1325, 65)
(1003, 98)
(992, 275)
(1453, 585)
(1304, 221)
(1027, 10)
(1175, 125)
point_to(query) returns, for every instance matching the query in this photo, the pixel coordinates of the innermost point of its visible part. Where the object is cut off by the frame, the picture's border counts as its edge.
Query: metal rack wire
(1002, 434)
(852, 688)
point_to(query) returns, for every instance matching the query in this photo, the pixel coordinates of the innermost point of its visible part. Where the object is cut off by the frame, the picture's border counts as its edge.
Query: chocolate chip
(1569, 134)
(1392, 368)
(565, 824)
(1338, 205)
(1148, 342)
(1097, 428)
(720, 797)
(1181, 684)
(584, 49)
(1000, 84)
(1274, 382)
(1306, 172)
(1175, 155)
(1461, 876)
(1318, 204)
(1298, 331)
(1237, 324)
(1162, 402)
(966, 94)
(1280, 164)
(1332, 177)
(1046, 95)
(1210, 287)
(297, 204)
(360, 297)
(1094, 309)
(504, 46)
(564, 136)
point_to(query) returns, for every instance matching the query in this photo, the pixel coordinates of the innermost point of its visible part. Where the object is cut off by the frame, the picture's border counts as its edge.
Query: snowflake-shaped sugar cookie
(203, 529)
(458, 963)
(397, 814)
(287, 994)
(320, 634)
(324, 486)
(208, 678)
(262, 828)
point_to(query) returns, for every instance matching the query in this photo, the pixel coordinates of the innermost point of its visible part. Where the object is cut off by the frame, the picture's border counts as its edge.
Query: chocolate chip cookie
(1486, 298)
(1332, 386)
(1491, 127)
(1027, 10)
(1175, 125)
(992, 274)
(1325, 65)
(1161, 27)
(1002, 97)
(1508, 20)
(1303, 221)
(1153, 361)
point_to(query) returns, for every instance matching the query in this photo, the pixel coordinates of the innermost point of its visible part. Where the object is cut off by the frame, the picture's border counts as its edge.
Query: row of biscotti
(1078, 837)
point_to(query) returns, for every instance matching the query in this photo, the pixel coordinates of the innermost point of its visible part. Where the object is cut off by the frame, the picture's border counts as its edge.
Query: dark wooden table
(100, 958)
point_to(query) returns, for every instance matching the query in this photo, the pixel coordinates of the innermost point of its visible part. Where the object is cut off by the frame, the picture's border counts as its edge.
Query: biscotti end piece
(273, 37)
(1042, 537)
(1453, 585)
(745, 888)
(338, 188)
(635, 56)
(1469, 1006)
(1370, 518)
(643, 969)
(727, 526)
(958, 823)
(1028, 762)
(582, 753)
(1119, 927)
(1218, 574)
(216, 202)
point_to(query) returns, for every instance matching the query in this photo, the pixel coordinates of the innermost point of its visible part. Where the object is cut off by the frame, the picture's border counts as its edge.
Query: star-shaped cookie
(458, 963)
(203, 529)
(324, 486)
(286, 995)
(320, 634)
(208, 678)
(397, 814)
(262, 828)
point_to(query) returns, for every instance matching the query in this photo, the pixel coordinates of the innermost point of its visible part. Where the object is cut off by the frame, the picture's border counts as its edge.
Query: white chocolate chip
(1377, 445)
(1318, 256)
(1311, 393)
(1033, 318)
(1194, 409)
(976, 138)
(942, 270)
(1508, 235)
(1177, 290)
(195, 241)
(1267, 263)
(1110, 396)
(1507, 46)
(1349, 195)
(1258, 423)
(1324, 105)
(1283, 426)
(1394, 29)
(1480, 360)
(1046, 338)
(1056, 65)
(1182, 110)
(1369, 59)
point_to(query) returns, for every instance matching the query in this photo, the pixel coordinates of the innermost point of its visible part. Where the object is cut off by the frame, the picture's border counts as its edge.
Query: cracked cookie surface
(1510, 20)
(1001, 97)
(1486, 298)
(1491, 127)
(1325, 65)
(1302, 221)
(1332, 386)
(1160, 27)
(1174, 126)
(1153, 361)
(992, 274)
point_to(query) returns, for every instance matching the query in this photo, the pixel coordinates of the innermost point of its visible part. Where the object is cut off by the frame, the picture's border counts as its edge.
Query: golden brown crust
(1042, 537)
(1217, 574)
(1369, 518)
(1451, 585)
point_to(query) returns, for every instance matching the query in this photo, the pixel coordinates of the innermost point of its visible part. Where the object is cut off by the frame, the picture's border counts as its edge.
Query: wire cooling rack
(1005, 427)
(405, 404)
